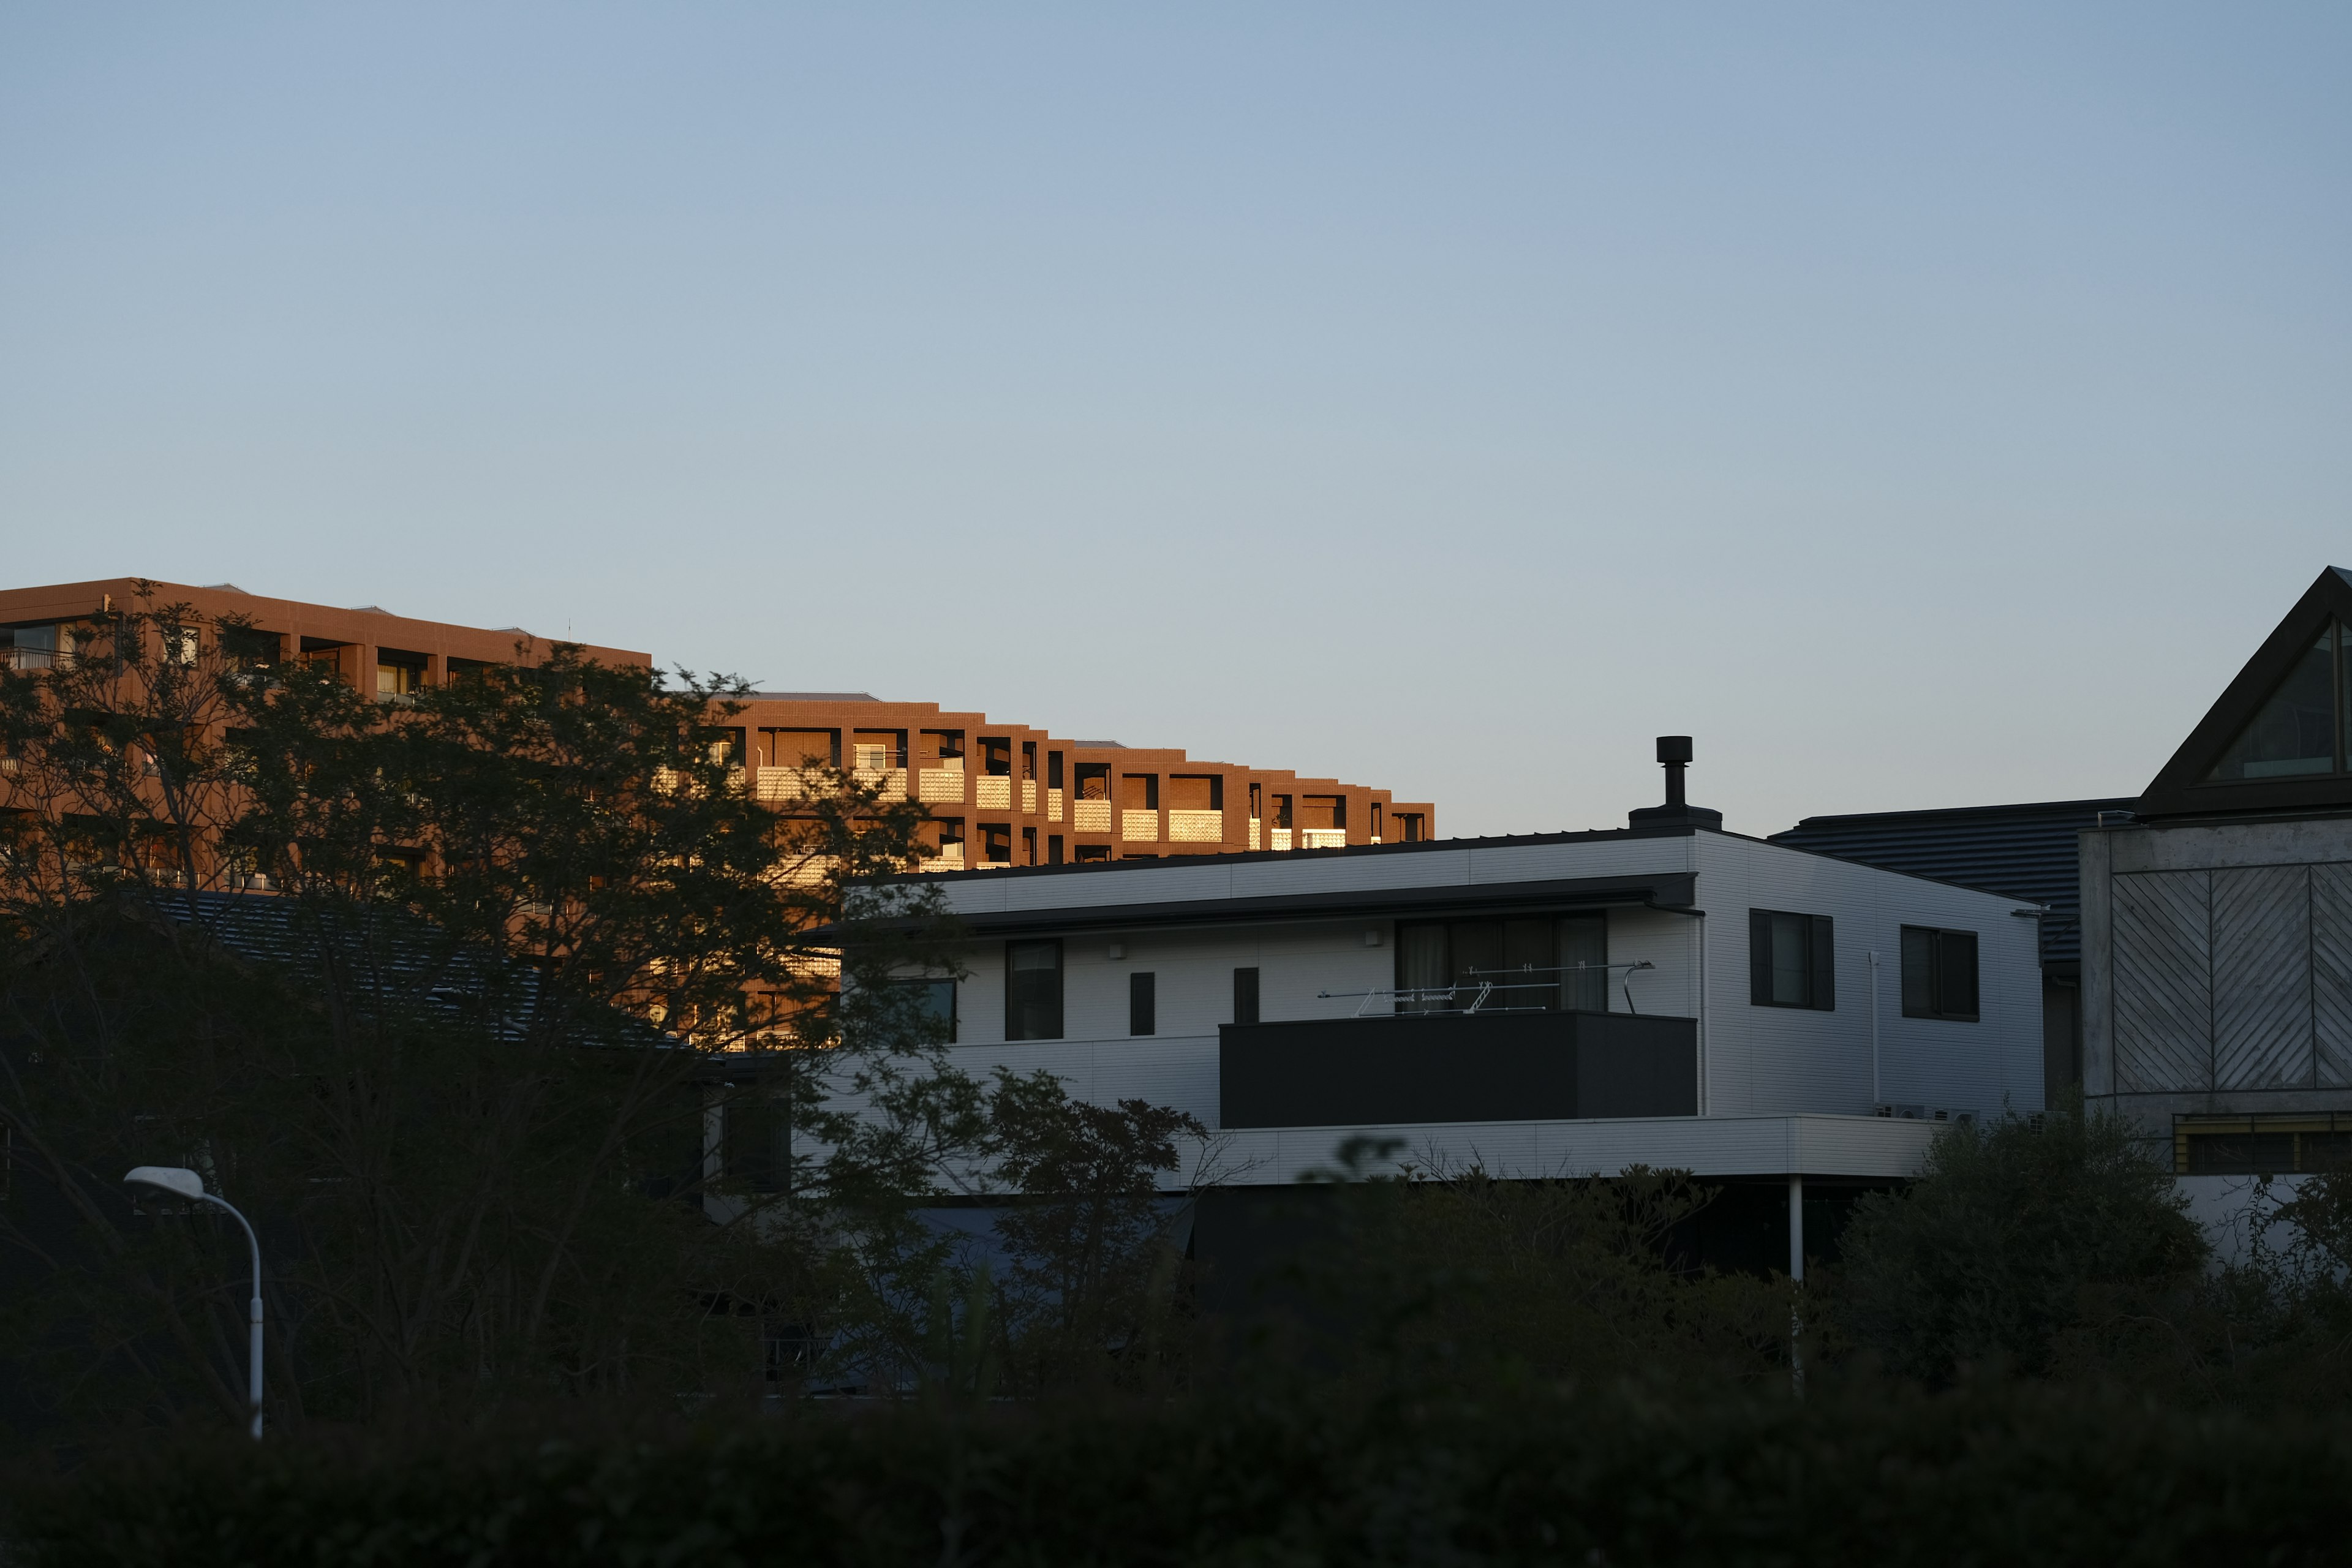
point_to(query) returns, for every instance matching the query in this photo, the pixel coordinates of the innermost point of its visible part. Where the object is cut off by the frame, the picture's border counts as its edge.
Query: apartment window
(1282, 811)
(1087, 854)
(1054, 770)
(757, 1147)
(398, 673)
(1538, 965)
(1245, 996)
(1410, 829)
(996, 756)
(1028, 847)
(1033, 990)
(996, 843)
(1792, 960)
(1143, 792)
(1257, 800)
(1053, 849)
(935, 1005)
(29, 648)
(1142, 1011)
(2272, 1145)
(1093, 780)
(1940, 974)
(1028, 759)
(1376, 822)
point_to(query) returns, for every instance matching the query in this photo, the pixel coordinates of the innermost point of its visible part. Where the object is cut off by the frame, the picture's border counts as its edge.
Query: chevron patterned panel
(2331, 974)
(2160, 925)
(2261, 977)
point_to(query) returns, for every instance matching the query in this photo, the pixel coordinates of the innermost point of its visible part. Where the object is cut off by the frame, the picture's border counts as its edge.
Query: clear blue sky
(1921, 405)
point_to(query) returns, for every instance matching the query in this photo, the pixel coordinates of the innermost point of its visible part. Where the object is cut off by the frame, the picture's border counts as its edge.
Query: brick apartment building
(1000, 794)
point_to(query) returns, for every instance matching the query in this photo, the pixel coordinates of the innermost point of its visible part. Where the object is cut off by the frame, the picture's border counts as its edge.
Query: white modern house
(1666, 994)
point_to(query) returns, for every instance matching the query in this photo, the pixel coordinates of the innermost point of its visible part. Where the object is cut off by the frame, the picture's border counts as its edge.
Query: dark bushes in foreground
(1857, 1473)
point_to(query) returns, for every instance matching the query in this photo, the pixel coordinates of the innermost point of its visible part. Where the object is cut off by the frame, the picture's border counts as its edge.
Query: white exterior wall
(1761, 1061)
(1755, 1061)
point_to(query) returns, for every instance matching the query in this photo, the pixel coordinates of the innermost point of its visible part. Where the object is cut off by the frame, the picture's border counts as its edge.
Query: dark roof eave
(1676, 890)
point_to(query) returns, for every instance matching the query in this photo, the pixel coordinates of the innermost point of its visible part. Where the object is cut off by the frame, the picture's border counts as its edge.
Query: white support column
(1797, 1229)
(1797, 1274)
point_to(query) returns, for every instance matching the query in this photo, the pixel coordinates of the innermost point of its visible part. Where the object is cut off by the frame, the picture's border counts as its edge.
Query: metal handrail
(1486, 989)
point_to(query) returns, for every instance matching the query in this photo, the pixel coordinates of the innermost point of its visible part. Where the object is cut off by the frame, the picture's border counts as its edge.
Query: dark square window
(1792, 960)
(1142, 1009)
(1033, 990)
(758, 1140)
(935, 1007)
(1244, 995)
(1940, 974)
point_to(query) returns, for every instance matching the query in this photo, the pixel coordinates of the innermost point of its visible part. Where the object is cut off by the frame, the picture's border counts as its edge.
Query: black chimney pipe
(1674, 752)
(1674, 755)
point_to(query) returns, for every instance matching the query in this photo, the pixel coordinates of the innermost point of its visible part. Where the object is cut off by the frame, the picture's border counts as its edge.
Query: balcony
(1090, 815)
(1257, 833)
(949, 859)
(1029, 797)
(992, 792)
(1280, 837)
(1323, 838)
(1409, 1068)
(1196, 826)
(940, 785)
(1053, 805)
(1139, 827)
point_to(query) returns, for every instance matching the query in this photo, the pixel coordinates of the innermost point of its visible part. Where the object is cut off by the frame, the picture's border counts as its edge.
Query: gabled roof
(2262, 747)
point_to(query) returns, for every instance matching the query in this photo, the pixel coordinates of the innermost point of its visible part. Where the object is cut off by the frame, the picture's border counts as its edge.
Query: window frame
(1142, 1003)
(1014, 1028)
(1936, 974)
(1819, 967)
(934, 983)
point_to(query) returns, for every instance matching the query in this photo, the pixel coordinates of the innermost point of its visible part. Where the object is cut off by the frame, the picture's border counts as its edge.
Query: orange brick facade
(1001, 795)
(1007, 794)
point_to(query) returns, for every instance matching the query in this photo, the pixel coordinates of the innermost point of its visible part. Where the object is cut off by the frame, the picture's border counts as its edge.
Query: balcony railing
(1053, 805)
(940, 785)
(1029, 797)
(1196, 826)
(992, 792)
(1280, 837)
(1090, 815)
(1323, 839)
(1139, 827)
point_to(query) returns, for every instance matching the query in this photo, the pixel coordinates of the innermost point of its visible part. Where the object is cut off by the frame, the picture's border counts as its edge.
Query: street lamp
(186, 1184)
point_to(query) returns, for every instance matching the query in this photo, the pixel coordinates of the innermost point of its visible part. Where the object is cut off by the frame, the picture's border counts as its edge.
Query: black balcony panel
(1438, 1066)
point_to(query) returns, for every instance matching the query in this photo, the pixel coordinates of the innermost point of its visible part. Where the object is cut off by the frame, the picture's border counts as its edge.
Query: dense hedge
(1988, 1475)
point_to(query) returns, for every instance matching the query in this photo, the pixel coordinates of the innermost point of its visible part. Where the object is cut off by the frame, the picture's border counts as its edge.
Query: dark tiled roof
(2020, 851)
(407, 963)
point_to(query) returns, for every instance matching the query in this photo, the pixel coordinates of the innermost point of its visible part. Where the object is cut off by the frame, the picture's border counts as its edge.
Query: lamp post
(185, 1183)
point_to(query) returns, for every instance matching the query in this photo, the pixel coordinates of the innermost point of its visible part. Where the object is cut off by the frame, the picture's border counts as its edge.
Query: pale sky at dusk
(1921, 406)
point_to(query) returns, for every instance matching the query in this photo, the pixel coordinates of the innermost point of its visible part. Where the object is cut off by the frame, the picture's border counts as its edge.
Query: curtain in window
(1421, 967)
(1583, 959)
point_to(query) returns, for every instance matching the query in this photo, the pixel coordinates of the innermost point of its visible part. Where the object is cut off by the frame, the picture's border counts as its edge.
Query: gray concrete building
(2217, 920)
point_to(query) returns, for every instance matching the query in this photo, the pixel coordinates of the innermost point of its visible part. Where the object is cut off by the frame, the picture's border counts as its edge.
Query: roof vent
(1674, 754)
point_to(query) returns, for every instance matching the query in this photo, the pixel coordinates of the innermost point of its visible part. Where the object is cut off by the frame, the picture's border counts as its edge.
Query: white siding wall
(1774, 1059)
(1756, 1060)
